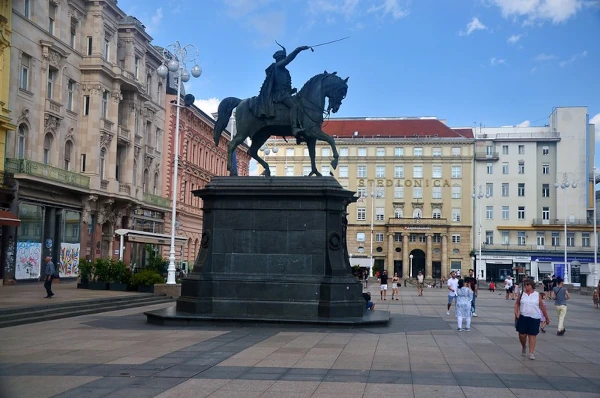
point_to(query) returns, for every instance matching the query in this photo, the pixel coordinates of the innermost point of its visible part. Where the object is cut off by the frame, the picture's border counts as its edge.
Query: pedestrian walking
(383, 281)
(464, 295)
(475, 288)
(395, 286)
(529, 309)
(595, 298)
(420, 283)
(561, 295)
(49, 275)
(508, 286)
(452, 288)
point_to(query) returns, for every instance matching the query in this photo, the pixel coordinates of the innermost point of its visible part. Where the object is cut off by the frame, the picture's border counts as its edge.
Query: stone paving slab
(420, 354)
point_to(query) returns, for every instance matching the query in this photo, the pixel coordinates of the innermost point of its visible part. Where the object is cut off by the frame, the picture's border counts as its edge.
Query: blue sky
(494, 62)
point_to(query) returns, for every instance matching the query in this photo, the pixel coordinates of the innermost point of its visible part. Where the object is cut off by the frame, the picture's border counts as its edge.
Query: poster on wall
(69, 260)
(29, 258)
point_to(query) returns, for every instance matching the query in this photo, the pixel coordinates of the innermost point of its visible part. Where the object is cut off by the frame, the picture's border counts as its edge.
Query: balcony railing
(124, 188)
(486, 155)
(53, 106)
(559, 221)
(26, 166)
(106, 124)
(157, 200)
(417, 222)
(150, 151)
(103, 184)
(123, 134)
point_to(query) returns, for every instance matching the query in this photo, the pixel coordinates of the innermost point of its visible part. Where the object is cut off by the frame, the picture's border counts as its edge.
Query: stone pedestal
(273, 249)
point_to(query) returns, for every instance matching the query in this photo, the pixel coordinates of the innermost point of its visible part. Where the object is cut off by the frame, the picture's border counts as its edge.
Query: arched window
(23, 131)
(68, 150)
(146, 181)
(102, 164)
(47, 147)
(134, 173)
(398, 212)
(437, 213)
(417, 213)
(156, 190)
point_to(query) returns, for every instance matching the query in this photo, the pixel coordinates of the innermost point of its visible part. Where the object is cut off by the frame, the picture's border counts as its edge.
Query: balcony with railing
(138, 140)
(150, 151)
(124, 189)
(484, 155)
(106, 125)
(53, 107)
(157, 200)
(47, 172)
(561, 221)
(417, 222)
(123, 134)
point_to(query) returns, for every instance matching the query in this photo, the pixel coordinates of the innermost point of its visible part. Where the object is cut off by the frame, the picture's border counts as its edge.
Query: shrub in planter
(100, 274)
(145, 280)
(118, 275)
(85, 273)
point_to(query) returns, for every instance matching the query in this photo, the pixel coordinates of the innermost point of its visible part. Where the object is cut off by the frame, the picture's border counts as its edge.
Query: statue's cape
(263, 105)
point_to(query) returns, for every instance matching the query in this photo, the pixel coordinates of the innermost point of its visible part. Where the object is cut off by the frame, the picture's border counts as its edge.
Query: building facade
(89, 111)
(414, 179)
(523, 209)
(199, 161)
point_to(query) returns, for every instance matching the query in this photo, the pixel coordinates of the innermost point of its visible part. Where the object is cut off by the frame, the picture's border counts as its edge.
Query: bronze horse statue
(311, 100)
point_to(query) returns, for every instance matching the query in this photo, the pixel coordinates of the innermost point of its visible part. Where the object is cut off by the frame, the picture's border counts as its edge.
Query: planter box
(97, 285)
(83, 285)
(119, 287)
(145, 289)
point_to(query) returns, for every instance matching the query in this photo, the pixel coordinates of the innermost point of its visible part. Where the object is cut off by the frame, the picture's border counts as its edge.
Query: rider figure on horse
(277, 88)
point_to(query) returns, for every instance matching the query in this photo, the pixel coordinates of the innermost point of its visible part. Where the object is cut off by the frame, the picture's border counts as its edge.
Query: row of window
(489, 238)
(380, 171)
(490, 149)
(379, 151)
(520, 170)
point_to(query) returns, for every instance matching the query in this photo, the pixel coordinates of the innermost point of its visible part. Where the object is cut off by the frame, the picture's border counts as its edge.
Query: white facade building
(521, 213)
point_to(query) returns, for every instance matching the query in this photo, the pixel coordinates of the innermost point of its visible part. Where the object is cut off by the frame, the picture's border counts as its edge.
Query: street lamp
(266, 150)
(373, 196)
(175, 56)
(595, 232)
(411, 258)
(479, 195)
(564, 185)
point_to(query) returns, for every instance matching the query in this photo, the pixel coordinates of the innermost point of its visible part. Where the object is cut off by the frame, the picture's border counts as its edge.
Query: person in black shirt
(383, 288)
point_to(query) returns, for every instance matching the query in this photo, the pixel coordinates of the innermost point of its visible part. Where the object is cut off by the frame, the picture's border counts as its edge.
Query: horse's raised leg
(320, 135)
(311, 143)
(237, 140)
(257, 141)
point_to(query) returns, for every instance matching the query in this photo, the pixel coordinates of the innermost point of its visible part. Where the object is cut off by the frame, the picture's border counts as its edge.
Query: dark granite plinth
(272, 249)
(171, 317)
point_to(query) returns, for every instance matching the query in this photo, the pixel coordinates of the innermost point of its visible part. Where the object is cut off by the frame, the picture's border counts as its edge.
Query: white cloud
(573, 58)
(497, 61)
(209, 106)
(472, 26)
(556, 11)
(155, 21)
(514, 38)
(525, 123)
(324, 7)
(545, 57)
(396, 8)
(596, 120)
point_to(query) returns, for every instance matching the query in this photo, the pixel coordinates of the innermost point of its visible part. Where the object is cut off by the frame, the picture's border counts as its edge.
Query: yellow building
(5, 32)
(414, 178)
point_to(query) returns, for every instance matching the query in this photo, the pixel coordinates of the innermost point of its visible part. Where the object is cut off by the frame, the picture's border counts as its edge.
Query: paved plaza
(419, 354)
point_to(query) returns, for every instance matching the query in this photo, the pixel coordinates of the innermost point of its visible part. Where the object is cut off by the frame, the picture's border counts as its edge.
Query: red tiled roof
(399, 128)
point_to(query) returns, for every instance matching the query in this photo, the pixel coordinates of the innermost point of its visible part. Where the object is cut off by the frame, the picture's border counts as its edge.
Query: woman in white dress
(463, 306)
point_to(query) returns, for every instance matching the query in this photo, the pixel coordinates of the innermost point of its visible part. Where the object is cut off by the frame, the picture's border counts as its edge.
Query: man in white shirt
(452, 288)
(508, 285)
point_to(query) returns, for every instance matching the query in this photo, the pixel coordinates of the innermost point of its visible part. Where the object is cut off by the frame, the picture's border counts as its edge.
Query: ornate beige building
(414, 177)
(90, 116)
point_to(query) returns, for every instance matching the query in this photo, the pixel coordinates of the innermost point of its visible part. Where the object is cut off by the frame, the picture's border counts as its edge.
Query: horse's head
(335, 88)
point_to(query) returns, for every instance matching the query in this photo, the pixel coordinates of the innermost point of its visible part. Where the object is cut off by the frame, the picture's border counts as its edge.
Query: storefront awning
(149, 237)
(361, 262)
(545, 267)
(9, 219)
(585, 269)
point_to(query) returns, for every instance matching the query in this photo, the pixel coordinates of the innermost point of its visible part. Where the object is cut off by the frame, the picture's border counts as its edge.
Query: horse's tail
(226, 107)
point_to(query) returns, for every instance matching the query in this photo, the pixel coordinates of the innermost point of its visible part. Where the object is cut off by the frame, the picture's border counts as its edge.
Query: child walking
(463, 306)
(543, 322)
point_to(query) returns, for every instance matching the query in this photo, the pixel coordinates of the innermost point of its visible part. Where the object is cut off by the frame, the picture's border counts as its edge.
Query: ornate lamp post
(479, 195)
(176, 56)
(564, 185)
(411, 258)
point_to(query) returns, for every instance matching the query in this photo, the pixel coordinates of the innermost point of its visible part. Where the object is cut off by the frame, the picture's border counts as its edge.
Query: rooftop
(393, 128)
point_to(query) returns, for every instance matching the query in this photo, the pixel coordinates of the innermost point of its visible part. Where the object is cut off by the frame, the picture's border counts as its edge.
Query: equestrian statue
(280, 110)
